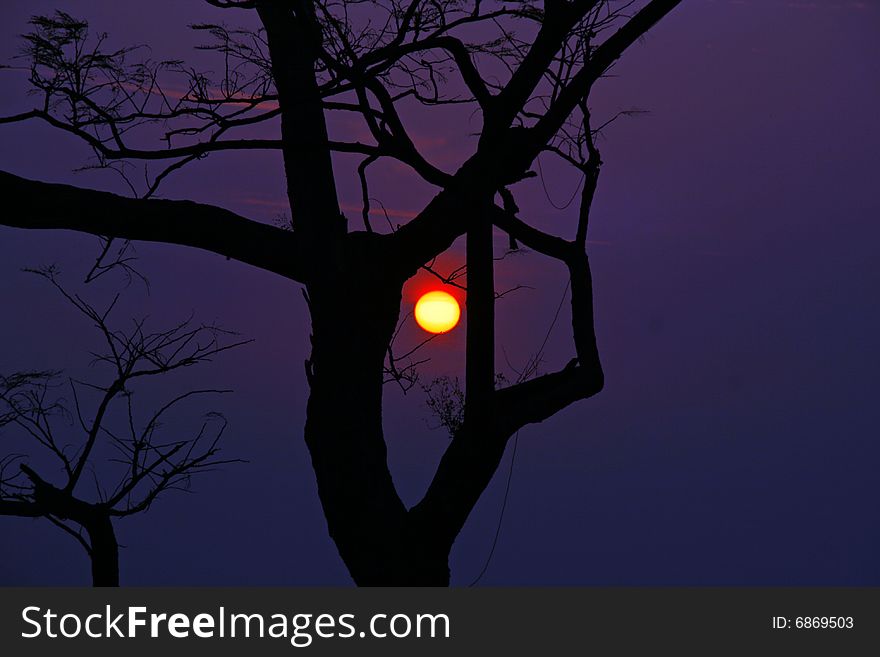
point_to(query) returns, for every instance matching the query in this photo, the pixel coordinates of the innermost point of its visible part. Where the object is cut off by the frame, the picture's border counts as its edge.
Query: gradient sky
(734, 245)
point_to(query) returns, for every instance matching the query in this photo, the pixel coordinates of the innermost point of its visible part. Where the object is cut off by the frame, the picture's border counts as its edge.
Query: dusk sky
(734, 245)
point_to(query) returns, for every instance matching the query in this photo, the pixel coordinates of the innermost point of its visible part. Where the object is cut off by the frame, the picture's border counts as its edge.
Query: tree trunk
(104, 553)
(94, 518)
(352, 326)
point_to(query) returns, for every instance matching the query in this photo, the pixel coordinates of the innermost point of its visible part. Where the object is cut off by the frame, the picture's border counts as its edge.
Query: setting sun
(437, 312)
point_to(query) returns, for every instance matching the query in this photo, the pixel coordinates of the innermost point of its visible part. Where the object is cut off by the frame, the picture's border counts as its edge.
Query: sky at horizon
(733, 244)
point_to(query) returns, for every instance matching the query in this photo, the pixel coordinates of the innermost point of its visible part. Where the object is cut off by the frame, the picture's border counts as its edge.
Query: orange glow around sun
(437, 312)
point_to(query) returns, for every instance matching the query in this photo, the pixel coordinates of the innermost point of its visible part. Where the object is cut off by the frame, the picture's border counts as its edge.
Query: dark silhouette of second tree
(114, 458)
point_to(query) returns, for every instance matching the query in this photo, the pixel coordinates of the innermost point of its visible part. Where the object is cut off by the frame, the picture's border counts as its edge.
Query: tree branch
(232, 4)
(602, 58)
(53, 206)
(456, 49)
(555, 28)
(473, 456)
(293, 36)
(20, 509)
(544, 243)
(121, 151)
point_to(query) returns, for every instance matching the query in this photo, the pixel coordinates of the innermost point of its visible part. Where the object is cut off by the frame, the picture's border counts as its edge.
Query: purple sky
(734, 252)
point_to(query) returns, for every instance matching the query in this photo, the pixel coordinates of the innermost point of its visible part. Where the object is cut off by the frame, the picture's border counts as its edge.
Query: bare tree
(112, 462)
(525, 68)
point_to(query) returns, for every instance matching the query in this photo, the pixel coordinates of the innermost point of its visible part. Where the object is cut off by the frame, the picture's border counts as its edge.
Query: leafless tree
(525, 68)
(109, 461)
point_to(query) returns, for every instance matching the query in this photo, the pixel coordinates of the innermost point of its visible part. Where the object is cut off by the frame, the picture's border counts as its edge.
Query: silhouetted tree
(527, 70)
(124, 458)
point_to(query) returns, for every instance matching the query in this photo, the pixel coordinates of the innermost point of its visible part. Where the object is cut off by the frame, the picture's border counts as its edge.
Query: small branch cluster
(116, 98)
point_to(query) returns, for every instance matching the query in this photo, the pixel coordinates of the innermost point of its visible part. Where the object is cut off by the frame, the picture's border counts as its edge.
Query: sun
(437, 312)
